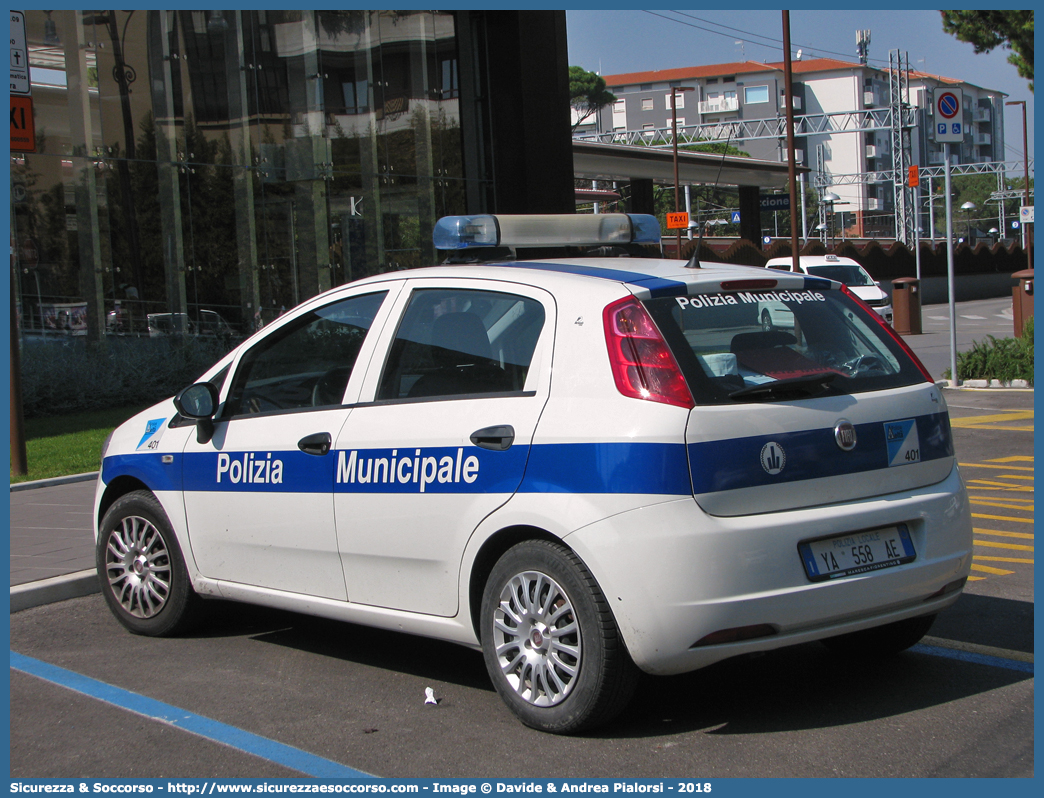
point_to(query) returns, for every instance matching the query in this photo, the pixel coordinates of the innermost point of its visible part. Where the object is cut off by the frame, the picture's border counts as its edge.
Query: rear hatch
(831, 407)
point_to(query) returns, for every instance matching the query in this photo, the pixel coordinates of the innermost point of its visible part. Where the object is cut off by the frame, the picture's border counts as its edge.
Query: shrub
(1003, 359)
(70, 376)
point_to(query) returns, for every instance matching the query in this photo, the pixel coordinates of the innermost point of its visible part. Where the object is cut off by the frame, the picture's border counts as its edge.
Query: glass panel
(308, 363)
(454, 342)
(731, 344)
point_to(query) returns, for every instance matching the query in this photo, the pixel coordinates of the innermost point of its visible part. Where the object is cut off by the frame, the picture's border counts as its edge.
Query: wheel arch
(120, 486)
(490, 552)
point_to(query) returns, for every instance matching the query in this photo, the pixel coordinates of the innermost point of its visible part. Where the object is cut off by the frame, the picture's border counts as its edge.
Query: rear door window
(822, 343)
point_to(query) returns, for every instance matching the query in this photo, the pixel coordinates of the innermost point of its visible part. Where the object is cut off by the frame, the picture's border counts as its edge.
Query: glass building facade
(240, 162)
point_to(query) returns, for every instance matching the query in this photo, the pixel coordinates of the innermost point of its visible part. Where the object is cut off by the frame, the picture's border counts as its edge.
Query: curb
(982, 385)
(47, 483)
(57, 588)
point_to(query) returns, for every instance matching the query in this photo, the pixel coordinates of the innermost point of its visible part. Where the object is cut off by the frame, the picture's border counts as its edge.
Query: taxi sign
(23, 128)
(949, 116)
(913, 177)
(677, 221)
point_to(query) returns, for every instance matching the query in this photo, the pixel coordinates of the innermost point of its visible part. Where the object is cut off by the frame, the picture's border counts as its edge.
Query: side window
(305, 364)
(456, 342)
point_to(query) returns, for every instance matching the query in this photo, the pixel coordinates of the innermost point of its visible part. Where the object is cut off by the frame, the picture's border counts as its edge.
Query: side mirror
(200, 402)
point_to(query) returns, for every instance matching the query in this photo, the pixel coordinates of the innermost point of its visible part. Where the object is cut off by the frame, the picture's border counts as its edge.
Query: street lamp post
(1025, 169)
(830, 198)
(675, 91)
(968, 207)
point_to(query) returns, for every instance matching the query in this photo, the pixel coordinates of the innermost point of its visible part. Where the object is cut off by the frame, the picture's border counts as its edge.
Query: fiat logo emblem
(845, 435)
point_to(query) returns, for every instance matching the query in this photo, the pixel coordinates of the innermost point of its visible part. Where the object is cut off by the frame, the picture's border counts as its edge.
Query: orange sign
(913, 177)
(23, 130)
(677, 221)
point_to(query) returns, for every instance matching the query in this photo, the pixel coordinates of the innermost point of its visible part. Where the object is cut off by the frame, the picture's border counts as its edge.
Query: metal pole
(917, 230)
(19, 458)
(791, 165)
(804, 213)
(674, 127)
(931, 210)
(949, 269)
(688, 210)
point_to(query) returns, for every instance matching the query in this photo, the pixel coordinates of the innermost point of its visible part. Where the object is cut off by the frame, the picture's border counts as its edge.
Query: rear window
(763, 346)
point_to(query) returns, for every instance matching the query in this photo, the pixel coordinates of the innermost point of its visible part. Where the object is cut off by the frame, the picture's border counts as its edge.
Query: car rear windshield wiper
(807, 385)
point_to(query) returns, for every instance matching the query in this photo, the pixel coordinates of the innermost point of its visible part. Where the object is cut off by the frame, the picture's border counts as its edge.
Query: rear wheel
(882, 641)
(550, 641)
(766, 321)
(141, 570)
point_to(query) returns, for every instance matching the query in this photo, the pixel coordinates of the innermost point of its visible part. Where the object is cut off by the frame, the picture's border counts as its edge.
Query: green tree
(986, 30)
(587, 94)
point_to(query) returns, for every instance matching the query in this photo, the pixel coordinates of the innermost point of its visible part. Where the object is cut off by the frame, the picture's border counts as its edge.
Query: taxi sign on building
(913, 177)
(23, 129)
(677, 221)
(949, 116)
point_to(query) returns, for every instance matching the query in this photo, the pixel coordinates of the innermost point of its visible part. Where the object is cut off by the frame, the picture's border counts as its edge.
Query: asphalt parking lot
(352, 697)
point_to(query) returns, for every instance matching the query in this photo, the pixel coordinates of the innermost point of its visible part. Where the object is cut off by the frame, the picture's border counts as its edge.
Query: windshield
(846, 273)
(763, 346)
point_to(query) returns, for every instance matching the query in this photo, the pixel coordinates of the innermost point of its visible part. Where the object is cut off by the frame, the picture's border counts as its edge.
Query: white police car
(833, 267)
(579, 466)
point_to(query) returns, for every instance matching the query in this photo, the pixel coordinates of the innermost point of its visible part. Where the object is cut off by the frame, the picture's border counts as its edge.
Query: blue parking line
(978, 659)
(288, 756)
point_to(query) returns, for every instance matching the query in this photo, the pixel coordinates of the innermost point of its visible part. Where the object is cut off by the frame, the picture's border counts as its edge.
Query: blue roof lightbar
(545, 230)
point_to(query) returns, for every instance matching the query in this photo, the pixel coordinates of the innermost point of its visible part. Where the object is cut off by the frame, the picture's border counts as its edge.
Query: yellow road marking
(1016, 476)
(994, 483)
(1002, 498)
(975, 578)
(1015, 458)
(1013, 415)
(992, 545)
(989, 570)
(1002, 518)
(1024, 535)
(1002, 467)
(1002, 559)
(990, 426)
(1028, 507)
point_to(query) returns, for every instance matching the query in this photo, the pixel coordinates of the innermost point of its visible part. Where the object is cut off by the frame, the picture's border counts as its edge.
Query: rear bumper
(674, 574)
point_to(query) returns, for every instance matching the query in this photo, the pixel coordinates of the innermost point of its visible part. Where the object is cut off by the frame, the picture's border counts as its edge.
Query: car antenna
(694, 261)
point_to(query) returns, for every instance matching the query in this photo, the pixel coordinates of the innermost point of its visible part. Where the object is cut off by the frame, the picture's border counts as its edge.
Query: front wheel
(550, 641)
(141, 570)
(881, 641)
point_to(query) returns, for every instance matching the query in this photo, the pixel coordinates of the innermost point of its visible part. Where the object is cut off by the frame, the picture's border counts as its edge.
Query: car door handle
(497, 438)
(318, 444)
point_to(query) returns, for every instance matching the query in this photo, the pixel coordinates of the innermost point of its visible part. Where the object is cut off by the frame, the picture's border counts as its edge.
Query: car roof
(645, 277)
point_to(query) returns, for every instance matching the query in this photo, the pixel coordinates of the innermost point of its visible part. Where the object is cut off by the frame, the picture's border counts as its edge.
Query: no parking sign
(949, 116)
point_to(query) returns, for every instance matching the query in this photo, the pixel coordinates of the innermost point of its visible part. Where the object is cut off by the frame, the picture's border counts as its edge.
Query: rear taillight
(643, 365)
(891, 332)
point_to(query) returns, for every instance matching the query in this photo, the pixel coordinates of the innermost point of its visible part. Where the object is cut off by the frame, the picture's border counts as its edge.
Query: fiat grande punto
(585, 467)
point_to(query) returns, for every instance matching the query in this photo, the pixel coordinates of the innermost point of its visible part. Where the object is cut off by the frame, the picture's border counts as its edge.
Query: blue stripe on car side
(616, 467)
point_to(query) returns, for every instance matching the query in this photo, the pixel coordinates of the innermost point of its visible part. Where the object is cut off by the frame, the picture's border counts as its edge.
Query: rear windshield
(763, 346)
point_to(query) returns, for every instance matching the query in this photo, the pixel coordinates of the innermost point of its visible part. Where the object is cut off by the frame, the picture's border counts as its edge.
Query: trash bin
(1022, 299)
(906, 306)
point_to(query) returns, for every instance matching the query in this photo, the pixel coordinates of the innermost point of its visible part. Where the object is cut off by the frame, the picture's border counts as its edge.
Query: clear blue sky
(616, 41)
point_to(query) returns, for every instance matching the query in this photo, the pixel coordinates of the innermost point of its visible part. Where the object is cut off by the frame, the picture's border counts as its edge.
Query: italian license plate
(856, 552)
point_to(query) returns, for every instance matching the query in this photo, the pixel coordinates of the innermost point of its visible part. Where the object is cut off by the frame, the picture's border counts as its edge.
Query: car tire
(141, 569)
(881, 641)
(562, 671)
(766, 321)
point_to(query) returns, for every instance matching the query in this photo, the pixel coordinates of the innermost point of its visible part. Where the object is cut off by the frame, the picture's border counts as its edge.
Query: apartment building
(851, 163)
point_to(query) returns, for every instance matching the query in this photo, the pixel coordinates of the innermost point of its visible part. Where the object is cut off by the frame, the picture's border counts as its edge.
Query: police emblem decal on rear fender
(773, 458)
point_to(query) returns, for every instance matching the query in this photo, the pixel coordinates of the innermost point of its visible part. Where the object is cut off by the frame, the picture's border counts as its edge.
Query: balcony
(871, 150)
(869, 99)
(983, 139)
(981, 115)
(719, 106)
